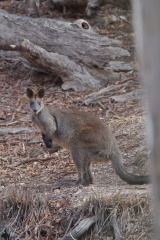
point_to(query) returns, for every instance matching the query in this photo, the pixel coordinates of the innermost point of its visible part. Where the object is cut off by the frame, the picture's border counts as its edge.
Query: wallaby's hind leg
(82, 163)
(86, 174)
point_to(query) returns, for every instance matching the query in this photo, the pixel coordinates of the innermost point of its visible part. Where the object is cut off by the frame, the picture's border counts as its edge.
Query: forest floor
(33, 181)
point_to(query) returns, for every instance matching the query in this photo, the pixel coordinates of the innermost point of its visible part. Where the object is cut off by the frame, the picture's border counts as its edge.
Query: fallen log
(100, 93)
(82, 228)
(31, 160)
(73, 51)
(127, 97)
(7, 130)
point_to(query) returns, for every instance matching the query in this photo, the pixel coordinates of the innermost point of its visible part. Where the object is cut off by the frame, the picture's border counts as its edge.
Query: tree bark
(147, 22)
(72, 51)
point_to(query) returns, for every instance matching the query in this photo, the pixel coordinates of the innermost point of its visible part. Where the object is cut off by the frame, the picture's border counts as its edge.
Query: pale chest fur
(45, 122)
(38, 123)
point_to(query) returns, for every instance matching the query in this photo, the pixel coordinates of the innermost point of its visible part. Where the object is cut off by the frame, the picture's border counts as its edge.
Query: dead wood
(12, 108)
(8, 124)
(31, 160)
(133, 95)
(116, 229)
(82, 228)
(4, 131)
(100, 94)
(73, 51)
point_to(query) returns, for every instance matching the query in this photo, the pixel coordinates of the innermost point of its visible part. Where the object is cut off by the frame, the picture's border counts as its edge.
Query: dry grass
(25, 216)
(118, 217)
(134, 123)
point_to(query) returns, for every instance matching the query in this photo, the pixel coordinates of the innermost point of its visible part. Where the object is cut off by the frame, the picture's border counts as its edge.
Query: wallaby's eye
(39, 104)
(31, 103)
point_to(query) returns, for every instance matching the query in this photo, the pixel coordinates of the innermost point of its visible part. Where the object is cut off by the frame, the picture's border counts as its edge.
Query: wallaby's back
(81, 126)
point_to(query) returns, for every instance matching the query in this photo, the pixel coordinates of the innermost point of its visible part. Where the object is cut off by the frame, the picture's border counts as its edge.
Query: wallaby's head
(35, 100)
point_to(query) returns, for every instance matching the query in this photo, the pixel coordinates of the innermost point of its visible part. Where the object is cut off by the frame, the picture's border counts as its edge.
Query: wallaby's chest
(44, 122)
(39, 123)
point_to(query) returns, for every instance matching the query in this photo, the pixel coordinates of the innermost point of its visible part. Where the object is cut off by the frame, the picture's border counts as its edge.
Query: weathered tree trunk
(147, 22)
(73, 51)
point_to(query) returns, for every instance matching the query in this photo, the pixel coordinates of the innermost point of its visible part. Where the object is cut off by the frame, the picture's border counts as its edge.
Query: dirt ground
(127, 121)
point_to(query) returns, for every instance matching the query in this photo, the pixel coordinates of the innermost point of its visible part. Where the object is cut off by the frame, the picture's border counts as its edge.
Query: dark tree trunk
(147, 22)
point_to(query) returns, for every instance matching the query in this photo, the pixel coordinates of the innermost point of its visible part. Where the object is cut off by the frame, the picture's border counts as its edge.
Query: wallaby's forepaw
(48, 143)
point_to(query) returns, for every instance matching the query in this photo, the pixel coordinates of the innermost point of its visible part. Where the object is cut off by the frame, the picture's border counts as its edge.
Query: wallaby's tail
(126, 176)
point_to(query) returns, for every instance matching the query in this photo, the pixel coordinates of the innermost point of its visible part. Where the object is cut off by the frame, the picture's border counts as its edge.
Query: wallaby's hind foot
(84, 174)
(86, 178)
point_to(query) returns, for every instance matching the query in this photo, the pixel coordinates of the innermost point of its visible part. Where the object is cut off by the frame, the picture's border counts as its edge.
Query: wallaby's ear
(29, 93)
(40, 93)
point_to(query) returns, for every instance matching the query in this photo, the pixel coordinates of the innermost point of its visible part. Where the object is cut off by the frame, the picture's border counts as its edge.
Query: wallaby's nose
(35, 110)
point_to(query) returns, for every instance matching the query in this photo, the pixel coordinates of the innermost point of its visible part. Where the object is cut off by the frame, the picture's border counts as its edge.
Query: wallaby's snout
(36, 105)
(34, 109)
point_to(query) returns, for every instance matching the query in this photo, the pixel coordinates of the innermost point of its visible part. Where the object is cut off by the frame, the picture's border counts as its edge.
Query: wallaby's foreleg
(82, 163)
(47, 140)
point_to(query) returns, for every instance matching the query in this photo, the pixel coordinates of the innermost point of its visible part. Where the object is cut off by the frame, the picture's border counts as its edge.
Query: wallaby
(87, 137)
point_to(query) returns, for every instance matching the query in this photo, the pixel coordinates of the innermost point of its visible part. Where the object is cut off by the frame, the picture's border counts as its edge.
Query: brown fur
(87, 137)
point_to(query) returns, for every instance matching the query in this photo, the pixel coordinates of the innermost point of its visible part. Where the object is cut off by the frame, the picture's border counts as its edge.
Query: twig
(8, 124)
(141, 235)
(8, 130)
(101, 105)
(72, 237)
(116, 229)
(31, 160)
(3, 159)
(124, 20)
(12, 108)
